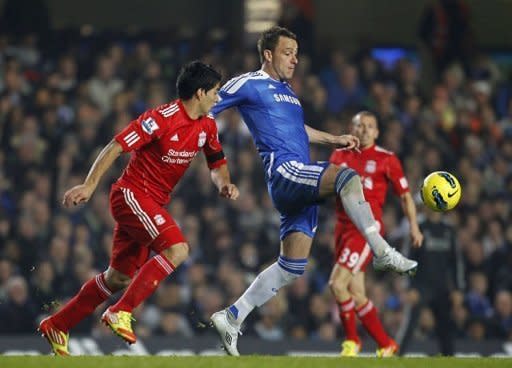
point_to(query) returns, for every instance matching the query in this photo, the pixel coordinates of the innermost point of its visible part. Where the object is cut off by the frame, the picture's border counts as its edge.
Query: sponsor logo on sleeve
(149, 125)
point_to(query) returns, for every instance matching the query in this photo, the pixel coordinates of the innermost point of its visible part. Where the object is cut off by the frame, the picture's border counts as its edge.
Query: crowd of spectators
(60, 106)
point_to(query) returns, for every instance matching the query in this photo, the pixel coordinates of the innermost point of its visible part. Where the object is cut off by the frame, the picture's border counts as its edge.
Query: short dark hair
(269, 39)
(194, 76)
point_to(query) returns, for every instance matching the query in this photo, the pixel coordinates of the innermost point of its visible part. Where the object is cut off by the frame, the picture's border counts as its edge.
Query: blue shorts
(294, 189)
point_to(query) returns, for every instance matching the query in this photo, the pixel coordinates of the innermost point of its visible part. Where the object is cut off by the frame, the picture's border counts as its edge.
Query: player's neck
(269, 69)
(367, 146)
(192, 109)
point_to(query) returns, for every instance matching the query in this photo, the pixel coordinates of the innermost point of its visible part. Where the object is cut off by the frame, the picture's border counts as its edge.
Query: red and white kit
(377, 167)
(164, 141)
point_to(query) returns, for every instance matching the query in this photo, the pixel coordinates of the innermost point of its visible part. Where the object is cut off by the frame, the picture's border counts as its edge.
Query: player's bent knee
(343, 177)
(359, 298)
(358, 292)
(339, 281)
(177, 253)
(291, 268)
(338, 286)
(116, 280)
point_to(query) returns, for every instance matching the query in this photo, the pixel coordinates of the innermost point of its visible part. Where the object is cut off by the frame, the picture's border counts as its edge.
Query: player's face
(365, 128)
(284, 58)
(208, 99)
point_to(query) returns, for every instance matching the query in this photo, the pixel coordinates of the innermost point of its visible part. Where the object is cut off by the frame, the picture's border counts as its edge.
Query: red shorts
(142, 226)
(352, 251)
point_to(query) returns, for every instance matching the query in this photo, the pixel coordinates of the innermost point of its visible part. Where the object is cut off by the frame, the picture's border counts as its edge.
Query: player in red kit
(163, 142)
(377, 167)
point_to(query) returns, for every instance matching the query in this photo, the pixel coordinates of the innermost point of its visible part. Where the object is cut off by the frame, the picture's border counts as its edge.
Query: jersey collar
(371, 148)
(269, 77)
(185, 113)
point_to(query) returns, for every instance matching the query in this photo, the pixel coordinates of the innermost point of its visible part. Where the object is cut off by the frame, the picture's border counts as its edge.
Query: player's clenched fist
(77, 195)
(348, 142)
(229, 191)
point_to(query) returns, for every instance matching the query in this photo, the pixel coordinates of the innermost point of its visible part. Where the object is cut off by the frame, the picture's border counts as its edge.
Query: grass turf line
(245, 362)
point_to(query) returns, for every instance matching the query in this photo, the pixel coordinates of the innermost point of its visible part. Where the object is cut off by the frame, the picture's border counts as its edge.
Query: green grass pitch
(245, 362)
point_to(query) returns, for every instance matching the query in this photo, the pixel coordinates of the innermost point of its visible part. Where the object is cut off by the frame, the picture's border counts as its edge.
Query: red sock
(348, 319)
(93, 293)
(144, 284)
(368, 316)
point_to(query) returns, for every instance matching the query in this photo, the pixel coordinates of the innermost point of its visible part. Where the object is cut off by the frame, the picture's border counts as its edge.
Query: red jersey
(164, 141)
(377, 167)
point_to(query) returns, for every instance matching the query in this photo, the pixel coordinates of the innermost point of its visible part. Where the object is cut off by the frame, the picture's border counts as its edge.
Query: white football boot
(227, 331)
(393, 260)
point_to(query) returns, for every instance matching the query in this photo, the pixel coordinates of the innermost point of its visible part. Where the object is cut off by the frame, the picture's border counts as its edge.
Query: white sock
(239, 311)
(360, 213)
(265, 286)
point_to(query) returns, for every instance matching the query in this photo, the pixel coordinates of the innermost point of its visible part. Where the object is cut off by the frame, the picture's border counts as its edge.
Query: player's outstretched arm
(221, 178)
(409, 209)
(346, 141)
(81, 193)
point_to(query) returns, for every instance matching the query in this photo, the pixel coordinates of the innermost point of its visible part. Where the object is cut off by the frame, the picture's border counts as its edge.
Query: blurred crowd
(60, 106)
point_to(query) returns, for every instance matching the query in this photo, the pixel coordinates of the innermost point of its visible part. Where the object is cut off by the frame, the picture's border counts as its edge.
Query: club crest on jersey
(149, 125)
(371, 166)
(159, 219)
(202, 139)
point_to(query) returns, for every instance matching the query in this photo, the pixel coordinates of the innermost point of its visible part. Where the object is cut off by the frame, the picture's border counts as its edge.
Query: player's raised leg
(346, 184)
(290, 265)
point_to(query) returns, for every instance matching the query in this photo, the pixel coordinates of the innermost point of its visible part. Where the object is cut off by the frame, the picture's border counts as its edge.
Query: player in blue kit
(275, 118)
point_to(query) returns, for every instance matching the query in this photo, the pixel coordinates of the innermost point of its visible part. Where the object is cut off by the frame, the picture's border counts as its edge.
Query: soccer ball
(441, 191)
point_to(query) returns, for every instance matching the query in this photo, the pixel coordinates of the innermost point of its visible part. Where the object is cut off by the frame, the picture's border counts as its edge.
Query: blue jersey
(273, 114)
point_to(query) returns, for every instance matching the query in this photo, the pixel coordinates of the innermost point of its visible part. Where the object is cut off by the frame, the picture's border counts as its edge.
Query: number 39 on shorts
(349, 258)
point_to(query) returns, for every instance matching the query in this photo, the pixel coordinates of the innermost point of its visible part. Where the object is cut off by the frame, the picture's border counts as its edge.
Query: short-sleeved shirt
(163, 142)
(377, 168)
(273, 113)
